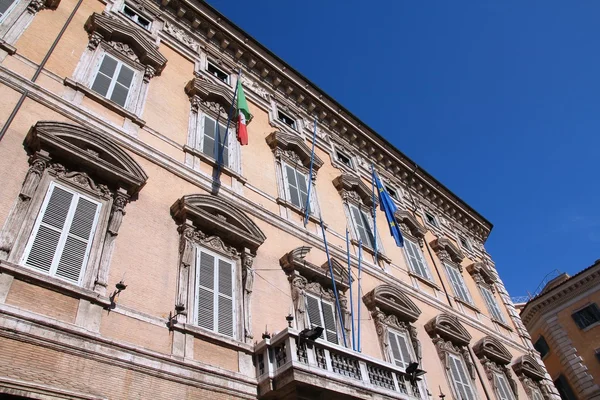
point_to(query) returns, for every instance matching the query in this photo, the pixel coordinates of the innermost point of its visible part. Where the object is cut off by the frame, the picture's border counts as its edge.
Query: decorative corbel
(464, 350)
(414, 338)
(248, 284)
(298, 284)
(95, 39)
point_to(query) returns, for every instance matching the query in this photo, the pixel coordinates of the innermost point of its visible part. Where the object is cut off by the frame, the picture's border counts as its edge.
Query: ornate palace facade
(131, 267)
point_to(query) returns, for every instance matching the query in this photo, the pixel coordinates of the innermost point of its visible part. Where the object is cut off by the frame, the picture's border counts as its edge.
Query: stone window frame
(495, 358)
(485, 279)
(450, 337)
(292, 150)
(451, 257)
(532, 377)
(208, 98)
(108, 35)
(18, 18)
(305, 276)
(216, 224)
(356, 193)
(84, 161)
(414, 231)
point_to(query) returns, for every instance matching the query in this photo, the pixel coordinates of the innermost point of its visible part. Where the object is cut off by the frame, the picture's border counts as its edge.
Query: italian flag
(244, 116)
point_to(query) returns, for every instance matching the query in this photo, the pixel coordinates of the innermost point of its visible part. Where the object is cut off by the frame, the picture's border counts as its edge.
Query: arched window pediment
(481, 269)
(288, 142)
(449, 328)
(350, 183)
(415, 228)
(528, 366)
(81, 147)
(295, 261)
(112, 30)
(210, 92)
(491, 348)
(443, 246)
(392, 301)
(220, 217)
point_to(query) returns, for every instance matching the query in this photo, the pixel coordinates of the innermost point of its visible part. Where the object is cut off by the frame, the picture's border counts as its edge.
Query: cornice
(561, 294)
(260, 63)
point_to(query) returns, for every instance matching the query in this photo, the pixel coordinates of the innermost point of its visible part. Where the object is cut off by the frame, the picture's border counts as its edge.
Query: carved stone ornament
(391, 300)
(126, 39)
(214, 97)
(347, 183)
(295, 261)
(293, 147)
(310, 124)
(446, 250)
(180, 35)
(36, 6)
(409, 224)
(527, 366)
(481, 274)
(255, 87)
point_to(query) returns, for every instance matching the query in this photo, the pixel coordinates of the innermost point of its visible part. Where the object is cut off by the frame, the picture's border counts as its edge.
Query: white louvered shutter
(492, 304)
(205, 296)
(292, 186)
(504, 391)
(416, 260)
(460, 379)
(63, 233)
(225, 299)
(314, 312)
(400, 350)
(458, 284)
(302, 179)
(361, 226)
(329, 318)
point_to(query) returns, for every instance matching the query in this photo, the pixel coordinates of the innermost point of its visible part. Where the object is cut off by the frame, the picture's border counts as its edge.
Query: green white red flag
(243, 115)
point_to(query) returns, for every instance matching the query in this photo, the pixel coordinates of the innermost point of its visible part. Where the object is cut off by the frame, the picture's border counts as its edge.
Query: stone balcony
(324, 371)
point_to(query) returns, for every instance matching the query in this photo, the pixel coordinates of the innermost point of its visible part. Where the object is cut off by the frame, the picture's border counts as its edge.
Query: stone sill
(111, 105)
(587, 328)
(380, 255)
(466, 304)
(424, 280)
(215, 338)
(39, 279)
(311, 217)
(10, 49)
(212, 162)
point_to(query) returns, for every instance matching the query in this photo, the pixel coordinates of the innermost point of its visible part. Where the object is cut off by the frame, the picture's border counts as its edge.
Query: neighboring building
(564, 323)
(110, 112)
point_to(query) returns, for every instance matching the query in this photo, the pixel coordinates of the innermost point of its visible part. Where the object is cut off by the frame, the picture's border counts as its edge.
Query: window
(460, 379)
(537, 395)
(217, 72)
(286, 119)
(322, 313)
(5, 7)
(392, 192)
(214, 295)
(135, 17)
(415, 259)
(464, 242)
(564, 389)
(343, 158)
(399, 347)
(492, 304)
(587, 316)
(296, 187)
(458, 284)
(430, 219)
(62, 235)
(210, 146)
(362, 226)
(113, 80)
(542, 346)
(503, 390)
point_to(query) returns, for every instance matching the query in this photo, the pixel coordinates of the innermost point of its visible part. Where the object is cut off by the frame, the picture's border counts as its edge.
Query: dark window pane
(119, 94)
(101, 84)
(125, 76)
(564, 389)
(587, 316)
(541, 346)
(108, 66)
(5, 5)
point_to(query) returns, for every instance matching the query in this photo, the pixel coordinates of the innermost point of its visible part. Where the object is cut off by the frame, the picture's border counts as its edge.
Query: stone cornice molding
(112, 30)
(224, 36)
(446, 249)
(209, 91)
(491, 348)
(562, 293)
(527, 366)
(349, 183)
(448, 327)
(414, 227)
(88, 150)
(294, 261)
(391, 300)
(288, 142)
(481, 271)
(218, 216)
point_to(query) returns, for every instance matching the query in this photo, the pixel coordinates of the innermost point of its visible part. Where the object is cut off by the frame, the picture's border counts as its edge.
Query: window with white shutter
(415, 259)
(503, 390)
(492, 304)
(6, 7)
(322, 313)
(537, 395)
(362, 227)
(458, 284)
(400, 349)
(460, 378)
(113, 80)
(296, 184)
(62, 236)
(213, 141)
(215, 293)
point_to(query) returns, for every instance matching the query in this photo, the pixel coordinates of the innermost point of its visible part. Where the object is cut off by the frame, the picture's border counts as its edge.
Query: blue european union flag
(389, 207)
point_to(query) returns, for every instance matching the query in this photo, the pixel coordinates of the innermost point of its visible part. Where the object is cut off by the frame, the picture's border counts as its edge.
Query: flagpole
(359, 289)
(374, 211)
(229, 117)
(350, 285)
(310, 174)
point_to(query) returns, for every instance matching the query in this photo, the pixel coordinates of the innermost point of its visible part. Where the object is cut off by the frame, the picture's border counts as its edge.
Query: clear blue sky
(499, 100)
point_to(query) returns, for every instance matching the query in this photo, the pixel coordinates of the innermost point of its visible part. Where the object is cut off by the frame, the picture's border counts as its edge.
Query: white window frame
(459, 280)
(436, 222)
(491, 303)
(502, 385)
(214, 65)
(234, 298)
(467, 243)
(64, 232)
(294, 120)
(419, 255)
(339, 152)
(369, 226)
(394, 334)
(134, 90)
(455, 384)
(8, 10)
(138, 15)
(231, 162)
(284, 165)
(321, 301)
